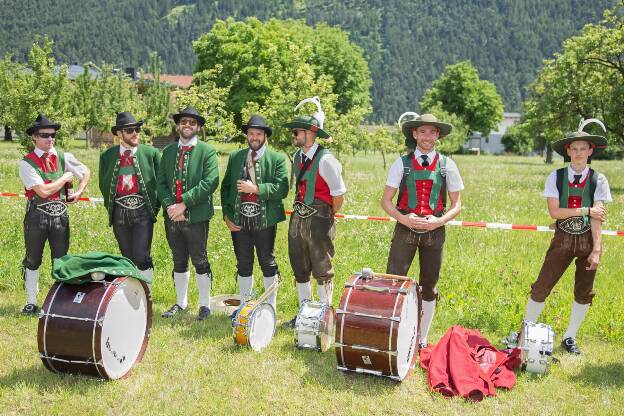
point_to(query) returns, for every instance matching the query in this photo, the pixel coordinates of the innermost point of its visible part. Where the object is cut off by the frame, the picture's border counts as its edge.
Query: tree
(460, 91)
(517, 140)
(585, 80)
(157, 99)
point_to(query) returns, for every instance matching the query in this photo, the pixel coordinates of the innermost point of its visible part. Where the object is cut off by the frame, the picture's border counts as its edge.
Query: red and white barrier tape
(488, 225)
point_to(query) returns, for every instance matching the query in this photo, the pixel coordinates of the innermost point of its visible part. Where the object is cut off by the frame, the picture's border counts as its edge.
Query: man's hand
(593, 260)
(246, 187)
(233, 227)
(74, 197)
(598, 213)
(176, 212)
(67, 177)
(429, 222)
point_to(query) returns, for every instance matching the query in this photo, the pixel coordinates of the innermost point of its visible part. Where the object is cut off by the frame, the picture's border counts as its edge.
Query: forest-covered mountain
(407, 43)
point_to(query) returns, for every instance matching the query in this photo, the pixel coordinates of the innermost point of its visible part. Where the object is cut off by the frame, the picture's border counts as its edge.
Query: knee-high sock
(148, 274)
(533, 310)
(577, 315)
(31, 282)
(181, 281)
(326, 292)
(268, 282)
(304, 292)
(245, 286)
(204, 284)
(427, 318)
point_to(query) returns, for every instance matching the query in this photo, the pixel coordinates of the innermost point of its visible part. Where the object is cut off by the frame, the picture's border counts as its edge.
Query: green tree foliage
(585, 80)
(407, 45)
(460, 91)
(158, 103)
(517, 140)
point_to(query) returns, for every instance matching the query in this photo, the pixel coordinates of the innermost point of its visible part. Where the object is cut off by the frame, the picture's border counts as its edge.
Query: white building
(492, 144)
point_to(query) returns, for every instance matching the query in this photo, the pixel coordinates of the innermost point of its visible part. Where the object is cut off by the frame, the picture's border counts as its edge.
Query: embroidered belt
(52, 208)
(574, 225)
(303, 210)
(134, 201)
(249, 209)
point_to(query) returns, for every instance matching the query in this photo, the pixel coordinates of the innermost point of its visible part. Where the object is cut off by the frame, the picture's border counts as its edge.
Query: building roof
(180, 81)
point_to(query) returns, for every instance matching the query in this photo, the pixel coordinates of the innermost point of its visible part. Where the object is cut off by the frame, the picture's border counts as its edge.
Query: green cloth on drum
(77, 268)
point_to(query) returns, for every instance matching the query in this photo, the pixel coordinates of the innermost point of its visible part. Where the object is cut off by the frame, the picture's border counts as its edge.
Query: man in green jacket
(187, 178)
(127, 179)
(255, 182)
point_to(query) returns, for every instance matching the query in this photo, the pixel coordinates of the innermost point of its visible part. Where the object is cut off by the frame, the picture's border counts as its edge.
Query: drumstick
(266, 294)
(391, 276)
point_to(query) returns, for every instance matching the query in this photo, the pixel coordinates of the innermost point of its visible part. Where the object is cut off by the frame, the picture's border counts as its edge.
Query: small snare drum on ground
(536, 340)
(99, 328)
(314, 327)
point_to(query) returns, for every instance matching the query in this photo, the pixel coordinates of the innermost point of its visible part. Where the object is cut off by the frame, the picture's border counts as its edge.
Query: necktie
(47, 163)
(425, 161)
(126, 180)
(254, 154)
(184, 150)
(304, 159)
(577, 179)
(128, 154)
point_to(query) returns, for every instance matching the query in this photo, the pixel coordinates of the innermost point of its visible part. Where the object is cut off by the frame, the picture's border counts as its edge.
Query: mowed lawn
(195, 368)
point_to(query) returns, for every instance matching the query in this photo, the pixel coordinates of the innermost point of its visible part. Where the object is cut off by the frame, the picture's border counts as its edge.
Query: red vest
(423, 190)
(134, 188)
(321, 189)
(576, 201)
(30, 194)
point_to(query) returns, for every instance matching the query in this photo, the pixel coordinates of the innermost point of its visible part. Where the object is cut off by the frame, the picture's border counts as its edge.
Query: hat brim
(307, 126)
(408, 126)
(200, 119)
(600, 143)
(115, 129)
(32, 129)
(266, 129)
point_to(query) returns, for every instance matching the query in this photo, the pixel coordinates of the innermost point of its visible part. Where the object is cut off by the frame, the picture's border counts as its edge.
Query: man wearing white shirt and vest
(575, 196)
(188, 175)
(319, 194)
(47, 174)
(127, 179)
(423, 178)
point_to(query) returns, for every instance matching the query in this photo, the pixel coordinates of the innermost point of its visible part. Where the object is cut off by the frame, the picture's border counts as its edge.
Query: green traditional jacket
(272, 180)
(146, 165)
(200, 179)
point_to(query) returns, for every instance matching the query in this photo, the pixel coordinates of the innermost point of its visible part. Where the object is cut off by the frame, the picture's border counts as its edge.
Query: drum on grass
(254, 325)
(377, 325)
(314, 326)
(536, 342)
(98, 328)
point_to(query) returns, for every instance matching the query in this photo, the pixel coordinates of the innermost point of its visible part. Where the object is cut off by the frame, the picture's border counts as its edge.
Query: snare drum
(376, 328)
(254, 325)
(314, 327)
(536, 342)
(98, 328)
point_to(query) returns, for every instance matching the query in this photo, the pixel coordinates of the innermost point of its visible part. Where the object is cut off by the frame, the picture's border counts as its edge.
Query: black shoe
(291, 323)
(422, 345)
(569, 344)
(204, 312)
(172, 311)
(30, 309)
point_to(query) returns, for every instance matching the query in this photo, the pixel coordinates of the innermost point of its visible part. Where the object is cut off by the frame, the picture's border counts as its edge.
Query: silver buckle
(134, 201)
(303, 210)
(53, 208)
(573, 225)
(250, 209)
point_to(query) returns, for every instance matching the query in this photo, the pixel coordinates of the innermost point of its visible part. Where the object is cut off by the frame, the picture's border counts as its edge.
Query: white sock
(326, 292)
(181, 281)
(577, 315)
(304, 292)
(31, 282)
(268, 282)
(148, 274)
(204, 283)
(245, 286)
(533, 310)
(427, 318)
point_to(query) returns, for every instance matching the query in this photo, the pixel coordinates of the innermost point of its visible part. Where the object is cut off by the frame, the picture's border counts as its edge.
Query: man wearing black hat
(319, 195)
(422, 178)
(187, 177)
(255, 182)
(47, 174)
(576, 196)
(128, 184)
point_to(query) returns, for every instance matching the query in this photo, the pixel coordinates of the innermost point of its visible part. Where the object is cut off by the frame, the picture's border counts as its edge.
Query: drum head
(406, 338)
(124, 328)
(261, 326)
(327, 333)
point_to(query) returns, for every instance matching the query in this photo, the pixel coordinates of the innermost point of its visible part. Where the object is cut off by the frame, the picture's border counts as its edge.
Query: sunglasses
(46, 135)
(189, 121)
(130, 130)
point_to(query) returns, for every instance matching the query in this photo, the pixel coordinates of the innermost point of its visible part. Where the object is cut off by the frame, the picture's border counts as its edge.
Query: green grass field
(195, 368)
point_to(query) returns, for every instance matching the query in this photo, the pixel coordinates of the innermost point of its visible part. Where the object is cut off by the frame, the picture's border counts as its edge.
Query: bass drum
(98, 328)
(377, 325)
